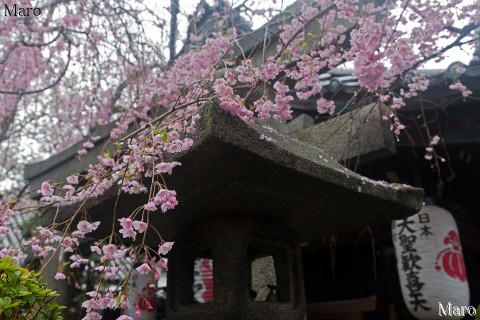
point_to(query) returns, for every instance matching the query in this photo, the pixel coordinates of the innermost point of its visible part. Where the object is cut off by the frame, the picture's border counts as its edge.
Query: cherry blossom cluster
(461, 87)
(430, 150)
(112, 299)
(6, 217)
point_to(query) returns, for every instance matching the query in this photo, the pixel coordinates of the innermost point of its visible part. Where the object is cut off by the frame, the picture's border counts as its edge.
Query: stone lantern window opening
(269, 270)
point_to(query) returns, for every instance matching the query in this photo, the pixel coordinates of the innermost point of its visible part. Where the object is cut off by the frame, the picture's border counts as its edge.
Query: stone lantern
(246, 191)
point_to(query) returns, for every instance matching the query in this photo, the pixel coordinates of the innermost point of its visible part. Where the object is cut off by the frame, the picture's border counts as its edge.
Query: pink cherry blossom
(88, 145)
(109, 251)
(96, 249)
(110, 273)
(435, 140)
(70, 243)
(91, 304)
(166, 167)
(150, 206)
(109, 162)
(59, 276)
(87, 227)
(126, 223)
(140, 226)
(128, 233)
(77, 261)
(134, 187)
(144, 268)
(73, 179)
(324, 106)
(46, 189)
(165, 247)
(166, 199)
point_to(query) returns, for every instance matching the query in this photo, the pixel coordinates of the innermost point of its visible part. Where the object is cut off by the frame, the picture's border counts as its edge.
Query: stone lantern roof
(253, 170)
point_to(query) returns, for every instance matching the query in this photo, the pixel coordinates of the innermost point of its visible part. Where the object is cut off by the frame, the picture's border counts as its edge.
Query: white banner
(430, 265)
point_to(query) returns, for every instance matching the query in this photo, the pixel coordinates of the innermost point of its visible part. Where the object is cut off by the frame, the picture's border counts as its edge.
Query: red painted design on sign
(147, 301)
(451, 258)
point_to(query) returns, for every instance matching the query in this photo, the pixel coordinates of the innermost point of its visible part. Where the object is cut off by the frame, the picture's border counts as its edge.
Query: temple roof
(343, 84)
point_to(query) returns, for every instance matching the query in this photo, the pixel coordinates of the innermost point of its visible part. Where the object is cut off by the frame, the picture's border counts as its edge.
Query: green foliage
(23, 294)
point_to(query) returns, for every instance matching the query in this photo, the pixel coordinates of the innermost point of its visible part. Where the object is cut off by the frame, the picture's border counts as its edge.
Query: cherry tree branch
(465, 31)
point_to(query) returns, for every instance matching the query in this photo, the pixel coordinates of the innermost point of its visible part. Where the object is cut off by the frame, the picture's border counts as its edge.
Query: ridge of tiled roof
(344, 80)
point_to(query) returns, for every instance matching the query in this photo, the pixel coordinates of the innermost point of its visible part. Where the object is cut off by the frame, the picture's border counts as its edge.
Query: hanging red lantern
(430, 265)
